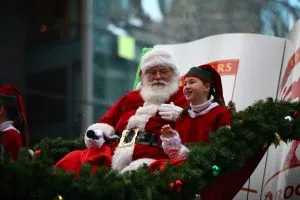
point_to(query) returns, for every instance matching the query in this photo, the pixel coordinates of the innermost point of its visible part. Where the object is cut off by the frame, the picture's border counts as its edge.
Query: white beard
(158, 94)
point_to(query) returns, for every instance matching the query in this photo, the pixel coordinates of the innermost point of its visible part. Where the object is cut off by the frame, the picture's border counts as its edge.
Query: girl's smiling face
(195, 90)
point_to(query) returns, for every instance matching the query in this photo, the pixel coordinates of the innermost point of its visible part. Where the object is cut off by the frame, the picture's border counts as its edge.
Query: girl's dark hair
(183, 113)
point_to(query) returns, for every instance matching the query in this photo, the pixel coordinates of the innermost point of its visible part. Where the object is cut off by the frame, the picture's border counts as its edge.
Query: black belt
(142, 137)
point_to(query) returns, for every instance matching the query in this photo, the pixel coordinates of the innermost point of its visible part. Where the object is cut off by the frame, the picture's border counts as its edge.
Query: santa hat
(209, 74)
(159, 56)
(10, 96)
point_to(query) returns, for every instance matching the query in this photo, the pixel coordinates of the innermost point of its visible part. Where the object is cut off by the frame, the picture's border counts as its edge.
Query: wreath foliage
(258, 126)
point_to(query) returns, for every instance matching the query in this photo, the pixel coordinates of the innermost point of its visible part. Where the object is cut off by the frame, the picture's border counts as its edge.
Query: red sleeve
(112, 116)
(12, 142)
(223, 118)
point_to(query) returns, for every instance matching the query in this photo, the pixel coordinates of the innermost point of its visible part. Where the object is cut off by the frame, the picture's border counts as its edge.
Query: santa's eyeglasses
(161, 72)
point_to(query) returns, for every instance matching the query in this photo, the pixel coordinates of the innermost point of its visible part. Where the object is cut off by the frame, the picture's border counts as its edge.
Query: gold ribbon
(277, 139)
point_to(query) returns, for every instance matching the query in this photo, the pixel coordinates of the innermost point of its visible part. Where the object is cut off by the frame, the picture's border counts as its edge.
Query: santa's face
(158, 76)
(158, 84)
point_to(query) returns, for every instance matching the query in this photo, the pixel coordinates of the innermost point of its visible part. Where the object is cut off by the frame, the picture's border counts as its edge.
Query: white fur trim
(184, 151)
(147, 110)
(107, 129)
(94, 143)
(137, 163)
(31, 153)
(100, 129)
(8, 125)
(192, 114)
(122, 157)
(141, 117)
(159, 56)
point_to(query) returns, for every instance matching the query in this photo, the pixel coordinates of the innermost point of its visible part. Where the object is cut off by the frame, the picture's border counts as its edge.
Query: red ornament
(37, 152)
(295, 115)
(177, 185)
(162, 167)
(171, 186)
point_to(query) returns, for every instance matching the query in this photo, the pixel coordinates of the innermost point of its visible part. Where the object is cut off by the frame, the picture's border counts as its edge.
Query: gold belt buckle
(122, 143)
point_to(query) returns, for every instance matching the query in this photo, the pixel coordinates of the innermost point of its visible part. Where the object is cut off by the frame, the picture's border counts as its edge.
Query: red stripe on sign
(295, 58)
(293, 90)
(277, 173)
(226, 67)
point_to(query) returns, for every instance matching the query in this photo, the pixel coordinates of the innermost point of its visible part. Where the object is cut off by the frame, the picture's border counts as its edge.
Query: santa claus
(131, 127)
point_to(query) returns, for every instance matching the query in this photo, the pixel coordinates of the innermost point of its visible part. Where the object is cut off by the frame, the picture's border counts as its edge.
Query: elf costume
(13, 124)
(195, 124)
(199, 120)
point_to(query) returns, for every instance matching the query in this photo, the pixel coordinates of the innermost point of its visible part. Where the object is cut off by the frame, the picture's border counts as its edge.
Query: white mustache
(155, 82)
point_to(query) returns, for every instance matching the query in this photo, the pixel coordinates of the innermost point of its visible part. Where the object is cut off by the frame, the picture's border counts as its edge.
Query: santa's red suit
(11, 139)
(131, 111)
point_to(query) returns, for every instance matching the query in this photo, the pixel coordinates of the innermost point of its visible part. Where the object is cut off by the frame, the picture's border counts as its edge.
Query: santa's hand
(169, 112)
(94, 138)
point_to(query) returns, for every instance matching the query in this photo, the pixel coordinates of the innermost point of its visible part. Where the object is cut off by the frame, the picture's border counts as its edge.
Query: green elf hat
(208, 73)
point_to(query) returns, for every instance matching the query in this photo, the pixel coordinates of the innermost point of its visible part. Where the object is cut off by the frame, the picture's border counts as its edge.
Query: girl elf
(206, 113)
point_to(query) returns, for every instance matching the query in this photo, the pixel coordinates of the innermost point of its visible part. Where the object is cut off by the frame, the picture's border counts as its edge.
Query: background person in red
(13, 124)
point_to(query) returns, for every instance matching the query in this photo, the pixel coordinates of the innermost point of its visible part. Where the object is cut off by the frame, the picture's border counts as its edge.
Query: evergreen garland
(260, 125)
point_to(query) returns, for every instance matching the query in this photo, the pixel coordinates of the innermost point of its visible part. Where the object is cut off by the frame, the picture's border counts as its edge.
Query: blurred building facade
(74, 58)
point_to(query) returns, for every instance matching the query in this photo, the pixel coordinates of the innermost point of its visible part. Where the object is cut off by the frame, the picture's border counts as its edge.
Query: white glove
(169, 112)
(184, 151)
(94, 138)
